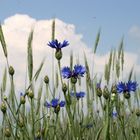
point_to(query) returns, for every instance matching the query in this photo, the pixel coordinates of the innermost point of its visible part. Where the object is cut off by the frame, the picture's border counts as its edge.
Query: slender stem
(10, 125)
(11, 111)
(59, 65)
(3, 124)
(32, 113)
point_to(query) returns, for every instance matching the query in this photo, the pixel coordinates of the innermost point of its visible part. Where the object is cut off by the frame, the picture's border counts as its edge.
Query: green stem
(32, 113)
(107, 126)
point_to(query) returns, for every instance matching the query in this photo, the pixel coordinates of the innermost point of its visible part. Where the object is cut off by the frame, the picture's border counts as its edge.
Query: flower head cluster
(56, 104)
(78, 95)
(123, 87)
(77, 72)
(58, 45)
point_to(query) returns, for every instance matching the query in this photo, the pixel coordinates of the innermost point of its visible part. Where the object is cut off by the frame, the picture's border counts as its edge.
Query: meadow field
(107, 109)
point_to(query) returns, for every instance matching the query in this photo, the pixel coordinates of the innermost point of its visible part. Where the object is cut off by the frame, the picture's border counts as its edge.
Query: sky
(80, 20)
(115, 18)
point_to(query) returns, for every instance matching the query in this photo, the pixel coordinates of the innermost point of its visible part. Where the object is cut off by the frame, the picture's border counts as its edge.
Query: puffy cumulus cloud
(16, 30)
(135, 31)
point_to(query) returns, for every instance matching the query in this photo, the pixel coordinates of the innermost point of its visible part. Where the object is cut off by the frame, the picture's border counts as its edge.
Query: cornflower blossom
(56, 104)
(123, 87)
(78, 95)
(77, 72)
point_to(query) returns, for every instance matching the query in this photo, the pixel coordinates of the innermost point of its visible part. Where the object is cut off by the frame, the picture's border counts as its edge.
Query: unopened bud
(99, 92)
(106, 93)
(58, 54)
(73, 80)
(11, 71)
(57, 109)
(138, 113)
(30, 94)
(48, 116)
(38, 135)
(64, 88)
(21, 122)
(3, 107)
(5, 98)
(7, 132)
(46, 79)
(127, 95)
(22, 100)
(114, 89)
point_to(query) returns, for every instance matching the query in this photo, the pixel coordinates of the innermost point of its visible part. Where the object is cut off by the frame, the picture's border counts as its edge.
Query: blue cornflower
(127, 87)
(114, 114)
(78, 95)
(77, 72)
(66, 72)
(21, 94)
(98, 85)
(55, 103)
(131, 86)
(121, 87)
(58, 45)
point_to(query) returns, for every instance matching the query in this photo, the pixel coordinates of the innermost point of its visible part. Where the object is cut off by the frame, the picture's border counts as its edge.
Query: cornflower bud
(58, 54)
(138, 113)
(57, 109)
(114, 89)
(46, 79)
(22, 99)
(73, 80)
(127, 95)
(106, 93)
(98, 90)
(21, 122)
(11, 71)
(7, 132)
(3, 107)
(64, 88)
(38, 134)
(30, 94)
(5, 98)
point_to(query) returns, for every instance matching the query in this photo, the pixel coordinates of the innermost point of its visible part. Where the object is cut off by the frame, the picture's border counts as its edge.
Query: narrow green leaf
(120, 48)
(30, 56)
(71, 60)
(98, 133)
(39, 70)
(97, 40)
(4, 81)
(118, 68)
(130, 74)
(114, 59)
(53, 29)
(39, 99)
(122, 59)
(2, 40)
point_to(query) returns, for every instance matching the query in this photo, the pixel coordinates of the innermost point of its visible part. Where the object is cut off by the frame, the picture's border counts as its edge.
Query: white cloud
(135, 31)
(16, 31)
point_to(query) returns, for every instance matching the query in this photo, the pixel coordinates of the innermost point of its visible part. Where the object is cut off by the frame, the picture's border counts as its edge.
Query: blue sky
(114, 17)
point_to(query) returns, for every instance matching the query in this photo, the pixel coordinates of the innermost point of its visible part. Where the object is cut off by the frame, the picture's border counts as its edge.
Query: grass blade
(97, 40)
(30, 56)
(3, 43)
